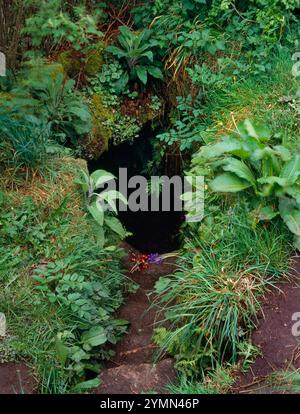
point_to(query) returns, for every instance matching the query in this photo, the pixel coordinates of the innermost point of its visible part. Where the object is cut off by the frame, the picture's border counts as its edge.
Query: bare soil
(132, 369)
(16, 378)
(279, 347)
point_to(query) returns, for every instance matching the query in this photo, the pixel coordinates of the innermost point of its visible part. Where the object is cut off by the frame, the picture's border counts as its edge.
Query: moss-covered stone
(94, 59)
(48, 191)
(90, 62)
(39, 71)
(145, 108)
(102, 117)
(69, 62)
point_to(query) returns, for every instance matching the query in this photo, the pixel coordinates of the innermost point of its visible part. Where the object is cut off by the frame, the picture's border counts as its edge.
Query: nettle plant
(247, 160)
(98, 202)
(136, 52)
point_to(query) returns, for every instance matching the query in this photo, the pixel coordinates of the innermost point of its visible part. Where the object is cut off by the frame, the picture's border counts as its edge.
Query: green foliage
(137, 51)
(79, 64)
(109, 80)
(24, 142)
(99, 204)
(226, 266)
(51, 26)
(41, 110)
(56, 279)
(218, 381)
(246, 32)
(248, 161)
(186, 129)
(61, 106)
(225, 61)
(247, 352)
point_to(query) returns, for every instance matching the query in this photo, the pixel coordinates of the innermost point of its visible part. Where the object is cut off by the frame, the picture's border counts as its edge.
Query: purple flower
(154, 258)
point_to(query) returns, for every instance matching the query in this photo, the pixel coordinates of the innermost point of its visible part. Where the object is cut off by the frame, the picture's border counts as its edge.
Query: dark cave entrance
(152, 231)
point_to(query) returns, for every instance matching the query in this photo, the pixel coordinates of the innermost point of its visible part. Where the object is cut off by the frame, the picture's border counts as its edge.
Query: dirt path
(15, 378)
(279, 347)
(131, 370)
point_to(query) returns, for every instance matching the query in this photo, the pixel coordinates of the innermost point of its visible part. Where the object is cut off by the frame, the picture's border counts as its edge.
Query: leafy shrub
(24, 142)
(65, 285)
(50, 26)
(249, 162)
(137, 52)
(109, 80)
(102, 205)
(187, 127)
(212, 300)
(61, 106)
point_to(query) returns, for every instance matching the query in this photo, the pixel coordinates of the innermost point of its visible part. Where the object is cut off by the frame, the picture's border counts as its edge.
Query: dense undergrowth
(215, 78)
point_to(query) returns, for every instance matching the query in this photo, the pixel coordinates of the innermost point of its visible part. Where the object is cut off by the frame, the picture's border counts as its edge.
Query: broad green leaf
(240, 169)
(155, 72)
(96, 212)
(267, 213)
(116, 226)
(282, 152)
(148, 54)
(296, 242)
(100, 235)
(110, 196)
(86, 385)
(141, 72)
(61, 351)
(272, 180)
(95, 336)
(162, 284)
(291, 170)
(294, 191)
(228, 183)
(116, 51)
(83, 180)
(100, 177)
(116, 195)
(227, 145)
(290, 214)
(255, 130)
